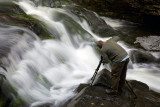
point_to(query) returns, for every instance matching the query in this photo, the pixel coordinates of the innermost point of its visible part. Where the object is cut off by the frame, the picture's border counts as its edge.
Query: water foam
(52, 69)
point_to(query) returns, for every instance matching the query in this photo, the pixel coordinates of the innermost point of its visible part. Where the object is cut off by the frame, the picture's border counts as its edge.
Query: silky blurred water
(47, 71)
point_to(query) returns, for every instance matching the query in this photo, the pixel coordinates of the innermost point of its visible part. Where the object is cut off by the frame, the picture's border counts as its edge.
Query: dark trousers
(118, 74)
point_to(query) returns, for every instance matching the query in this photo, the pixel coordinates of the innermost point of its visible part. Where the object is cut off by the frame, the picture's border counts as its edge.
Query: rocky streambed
(86, 95)
(95, 96)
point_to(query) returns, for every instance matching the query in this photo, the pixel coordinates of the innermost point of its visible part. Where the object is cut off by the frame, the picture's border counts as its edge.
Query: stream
(49, 70)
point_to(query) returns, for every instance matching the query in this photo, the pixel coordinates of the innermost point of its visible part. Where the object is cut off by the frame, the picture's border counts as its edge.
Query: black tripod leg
(96, 71)
(131, 89)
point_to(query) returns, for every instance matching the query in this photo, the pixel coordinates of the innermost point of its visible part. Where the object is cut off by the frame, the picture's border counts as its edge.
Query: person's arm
(115, 38)
(105, 57)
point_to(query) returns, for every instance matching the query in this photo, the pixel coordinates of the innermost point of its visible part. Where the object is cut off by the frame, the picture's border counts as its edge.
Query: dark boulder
(97, 24)
(142, 57)
(95, 96)
(143, 11)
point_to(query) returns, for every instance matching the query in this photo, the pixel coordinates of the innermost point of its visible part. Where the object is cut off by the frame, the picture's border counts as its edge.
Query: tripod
(135, 96)
(93, 77)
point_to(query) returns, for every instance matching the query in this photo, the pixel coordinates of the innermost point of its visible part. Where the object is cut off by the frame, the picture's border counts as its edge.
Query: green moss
(14, 24)
(19, 102)
(12, 89)
(15, 16)
(10, 7)
(24, 17)
(46, 37)
(1, 102)
(33, 24)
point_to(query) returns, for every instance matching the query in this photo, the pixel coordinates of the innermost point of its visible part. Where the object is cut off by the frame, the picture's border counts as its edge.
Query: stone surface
(134, 10)
(151, 43)
(142, 57)
(95, 96)
(98, 25)
(12, 15)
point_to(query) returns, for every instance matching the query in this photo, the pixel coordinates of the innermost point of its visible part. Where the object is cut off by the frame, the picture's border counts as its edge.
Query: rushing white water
(49, 70)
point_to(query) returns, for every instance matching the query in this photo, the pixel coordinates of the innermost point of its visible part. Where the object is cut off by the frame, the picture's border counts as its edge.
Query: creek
(48, 71)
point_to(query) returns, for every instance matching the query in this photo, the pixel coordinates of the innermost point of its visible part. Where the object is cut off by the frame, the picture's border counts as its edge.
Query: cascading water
(47, 71)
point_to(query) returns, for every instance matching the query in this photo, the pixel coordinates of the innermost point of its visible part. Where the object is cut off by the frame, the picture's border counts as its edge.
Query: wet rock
(46, 104)
(139, 85)
(12, 15)
(6, 96)
(47, 3)
(97, 24)
(128, 34)
(151, 43)
(102, 79)
(142, 57)
(143, 11)
(95, 96)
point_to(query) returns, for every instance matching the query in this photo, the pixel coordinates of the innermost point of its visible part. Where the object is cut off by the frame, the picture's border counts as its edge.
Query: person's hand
(102, 60)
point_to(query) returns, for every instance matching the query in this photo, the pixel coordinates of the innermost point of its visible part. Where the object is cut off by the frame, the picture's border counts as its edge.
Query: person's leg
(123, 75)
(115, 75)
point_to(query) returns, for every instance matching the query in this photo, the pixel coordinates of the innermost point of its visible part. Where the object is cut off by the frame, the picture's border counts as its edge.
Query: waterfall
(47, 71)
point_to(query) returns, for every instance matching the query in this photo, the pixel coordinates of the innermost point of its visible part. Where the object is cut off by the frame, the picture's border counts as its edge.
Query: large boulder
(150, 43)
(95, 96)
(97, 24)
(134, 10)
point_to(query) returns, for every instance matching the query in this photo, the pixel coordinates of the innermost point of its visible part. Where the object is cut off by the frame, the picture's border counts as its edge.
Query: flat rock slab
(95, 96)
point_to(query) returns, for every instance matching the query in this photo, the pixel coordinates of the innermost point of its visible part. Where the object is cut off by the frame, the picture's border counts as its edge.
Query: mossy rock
(11, 14)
